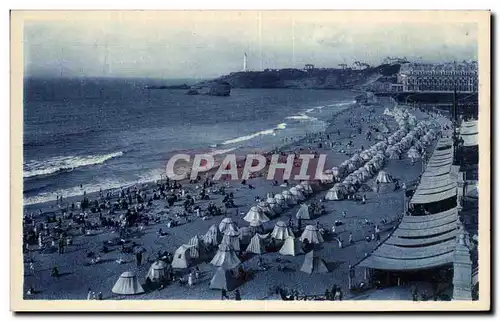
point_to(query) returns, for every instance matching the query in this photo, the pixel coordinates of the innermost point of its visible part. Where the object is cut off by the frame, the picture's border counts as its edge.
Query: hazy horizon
(201, 45)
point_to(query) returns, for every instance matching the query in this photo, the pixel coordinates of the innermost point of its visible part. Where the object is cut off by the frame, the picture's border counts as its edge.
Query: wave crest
(64, 163)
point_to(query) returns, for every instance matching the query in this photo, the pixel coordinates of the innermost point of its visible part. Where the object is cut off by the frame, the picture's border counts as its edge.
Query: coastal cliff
(325, 78)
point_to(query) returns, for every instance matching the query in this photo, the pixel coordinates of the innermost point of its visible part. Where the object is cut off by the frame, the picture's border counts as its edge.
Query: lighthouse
(245, 62)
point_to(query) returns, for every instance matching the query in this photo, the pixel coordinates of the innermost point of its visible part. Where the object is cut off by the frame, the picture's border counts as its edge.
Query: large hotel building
(419, 77)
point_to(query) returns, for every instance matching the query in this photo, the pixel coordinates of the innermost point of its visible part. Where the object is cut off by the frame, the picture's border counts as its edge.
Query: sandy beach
(77, 275)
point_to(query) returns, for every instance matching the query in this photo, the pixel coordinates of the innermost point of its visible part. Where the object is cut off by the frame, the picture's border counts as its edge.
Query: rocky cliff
(326, 78)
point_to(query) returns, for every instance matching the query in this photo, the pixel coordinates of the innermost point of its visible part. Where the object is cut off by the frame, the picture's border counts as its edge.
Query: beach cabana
(127, 284)
(232, 239)
(255, 214)
(213, 236)
(273, 205)
(384, 177)
(292, 246)
(297, 194)
(312, 234)
(246, 234)
(158, 271)
(196, 247)
(303, 212)
(335, 194)
(307, 187)
(281, 231)
(181, 259)
(413, 154)
(289, 198)
(256, 245)
(280, 200)
(228, 223)
(313, 264)
(266, 209)
(223, 280)
(225, 257)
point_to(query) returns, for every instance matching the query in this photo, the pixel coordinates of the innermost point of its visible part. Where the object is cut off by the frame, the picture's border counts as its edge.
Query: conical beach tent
(127, 284)
(181, 259)
(303, 212)
(228, 223)
(158, 271)
(280, 199)
(273, 205)
(297, 194)
(197, 247)
(232, 239)
(225, 257)
(313, 264)
(213, 236)
(289, 198)
(384, 177)
(292, 246)
(334, 194)
(255, 214)
(281, 231)
(256, 245)
(266, 209)
(312, 233)
(223, 280)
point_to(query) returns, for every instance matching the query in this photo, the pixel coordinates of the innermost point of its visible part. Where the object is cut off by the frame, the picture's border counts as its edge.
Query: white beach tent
(281, 231)
(181, 257)
(312, 234)
(303, 212)
(313, 264)
(158, 271)
(223, 280)
(225, 257)
(307, 187)
(280, 199)
(255, 214)
(197, 247)
(334, 194)
(292, 246)
(289, 198)
(127, 284)
(228, 223)
(213, 236)
(297, 194)
(246, 234)
(266, 208)
(273, 205)
(384, 177)
(232, 239)
(256, 245)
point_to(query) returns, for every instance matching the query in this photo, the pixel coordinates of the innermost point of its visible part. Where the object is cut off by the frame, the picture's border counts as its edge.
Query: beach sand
(77, 275)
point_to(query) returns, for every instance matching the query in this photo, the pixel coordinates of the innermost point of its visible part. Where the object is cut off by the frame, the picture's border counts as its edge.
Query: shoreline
(239, 152)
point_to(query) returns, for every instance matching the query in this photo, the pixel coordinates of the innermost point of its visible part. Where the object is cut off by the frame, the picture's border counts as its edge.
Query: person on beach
(350, 239)
(237, 295)
(138, 258)
(190, 279)
(344, 214)
(223, 295)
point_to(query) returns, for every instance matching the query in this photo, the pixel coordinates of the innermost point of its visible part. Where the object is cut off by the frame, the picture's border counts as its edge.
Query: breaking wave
(271, 131)
(64, 163)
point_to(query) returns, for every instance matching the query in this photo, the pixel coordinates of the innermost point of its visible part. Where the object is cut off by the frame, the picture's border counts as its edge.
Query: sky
(208, 44)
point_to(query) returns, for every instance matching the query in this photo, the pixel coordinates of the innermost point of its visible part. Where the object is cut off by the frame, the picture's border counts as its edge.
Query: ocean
(91, 134)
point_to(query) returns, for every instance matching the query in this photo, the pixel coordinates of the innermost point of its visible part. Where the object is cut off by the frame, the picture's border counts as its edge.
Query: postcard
(250, 160)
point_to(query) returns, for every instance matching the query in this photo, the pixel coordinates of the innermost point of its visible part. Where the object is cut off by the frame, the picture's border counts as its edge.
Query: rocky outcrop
(219, 88)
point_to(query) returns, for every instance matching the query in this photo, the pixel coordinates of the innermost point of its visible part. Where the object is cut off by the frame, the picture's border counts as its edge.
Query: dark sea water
(91, 134)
